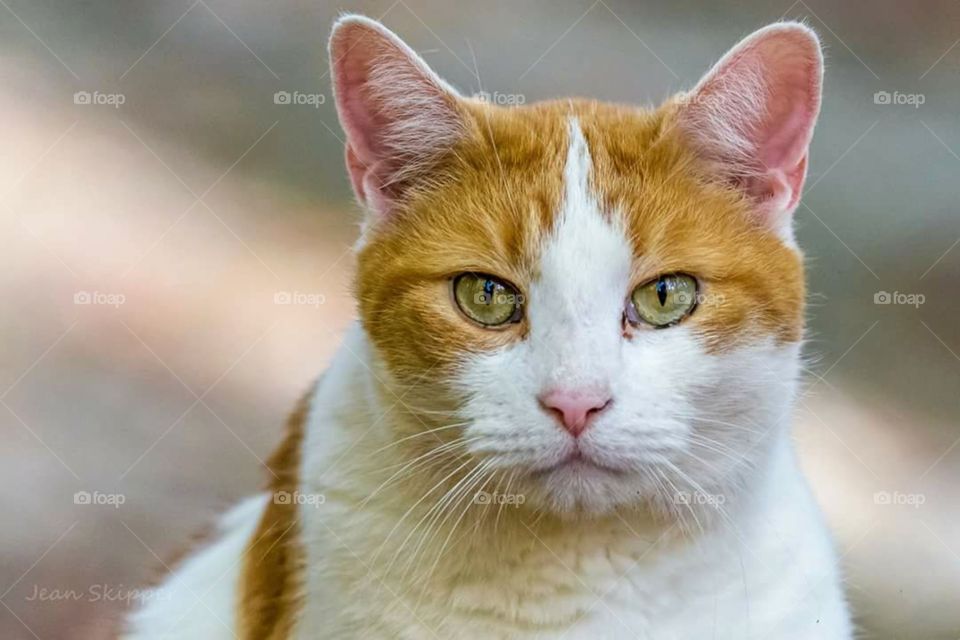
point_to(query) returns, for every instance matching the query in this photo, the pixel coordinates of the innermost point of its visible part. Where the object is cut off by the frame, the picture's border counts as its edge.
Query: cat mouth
(577, 461)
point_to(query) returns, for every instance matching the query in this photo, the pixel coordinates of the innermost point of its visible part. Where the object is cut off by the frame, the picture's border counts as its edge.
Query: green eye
(487, 300)
(663, 302)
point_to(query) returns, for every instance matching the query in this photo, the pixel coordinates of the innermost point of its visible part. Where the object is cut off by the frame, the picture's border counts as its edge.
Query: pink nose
(574, 408)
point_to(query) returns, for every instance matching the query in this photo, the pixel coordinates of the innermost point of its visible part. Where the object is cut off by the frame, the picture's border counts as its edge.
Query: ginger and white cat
(564, 412)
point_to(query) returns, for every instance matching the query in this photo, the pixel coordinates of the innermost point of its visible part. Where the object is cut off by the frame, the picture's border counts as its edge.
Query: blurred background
(176, 221)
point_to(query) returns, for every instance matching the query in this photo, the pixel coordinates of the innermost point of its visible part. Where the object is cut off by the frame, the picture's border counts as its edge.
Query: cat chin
(583, 489)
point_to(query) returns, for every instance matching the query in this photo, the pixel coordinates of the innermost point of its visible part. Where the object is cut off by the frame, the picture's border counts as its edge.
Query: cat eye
(487, 300)
(663, 302)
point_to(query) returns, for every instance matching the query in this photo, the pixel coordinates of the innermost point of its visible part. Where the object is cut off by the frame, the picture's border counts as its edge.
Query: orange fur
(271, 579)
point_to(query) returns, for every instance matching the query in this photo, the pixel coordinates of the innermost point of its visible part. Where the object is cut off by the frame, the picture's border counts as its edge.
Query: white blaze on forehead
(577, 302)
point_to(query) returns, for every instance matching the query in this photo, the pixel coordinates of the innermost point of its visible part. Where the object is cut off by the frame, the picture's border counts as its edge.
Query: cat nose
(575, 408)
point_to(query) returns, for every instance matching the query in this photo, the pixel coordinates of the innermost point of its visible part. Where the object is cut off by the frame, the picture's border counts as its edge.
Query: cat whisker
(723, 423)
(419, 434)
(409, 466)
(450, 499)
(413, 408)
(407, 513)
(717, 447)
(717, 505)
(466, 495)
(677, 493)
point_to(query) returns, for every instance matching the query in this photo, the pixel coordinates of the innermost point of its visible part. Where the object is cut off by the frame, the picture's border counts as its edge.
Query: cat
(564, 411)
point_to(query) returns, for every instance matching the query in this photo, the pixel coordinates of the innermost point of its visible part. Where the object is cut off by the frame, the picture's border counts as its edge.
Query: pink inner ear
(357, 170)
(397, 114)
(791, 89)
(788, 132)
(754, 113)
(350, 77)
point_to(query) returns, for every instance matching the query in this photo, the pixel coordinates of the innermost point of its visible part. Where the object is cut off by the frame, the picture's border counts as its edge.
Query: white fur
(767, 574)
(198, 600)
(759, 565)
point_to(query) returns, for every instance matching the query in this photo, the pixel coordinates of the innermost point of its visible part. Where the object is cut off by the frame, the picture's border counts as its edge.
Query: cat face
(600, 303)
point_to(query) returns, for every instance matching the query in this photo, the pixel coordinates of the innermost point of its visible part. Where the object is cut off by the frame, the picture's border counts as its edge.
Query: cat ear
(752, 116)
(399, 116)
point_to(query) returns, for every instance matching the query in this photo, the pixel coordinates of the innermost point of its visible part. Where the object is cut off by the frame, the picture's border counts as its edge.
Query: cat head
(600, 302)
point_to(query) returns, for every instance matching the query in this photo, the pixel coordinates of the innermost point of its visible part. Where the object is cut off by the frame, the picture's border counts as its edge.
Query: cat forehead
(500, 198)
(586, 252)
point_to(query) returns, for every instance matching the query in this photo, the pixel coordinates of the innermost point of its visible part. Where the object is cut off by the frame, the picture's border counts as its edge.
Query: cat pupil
(488, 287)
(662, 292)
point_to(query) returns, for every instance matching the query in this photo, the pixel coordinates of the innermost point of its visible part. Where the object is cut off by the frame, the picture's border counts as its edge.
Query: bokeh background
(152, 230)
